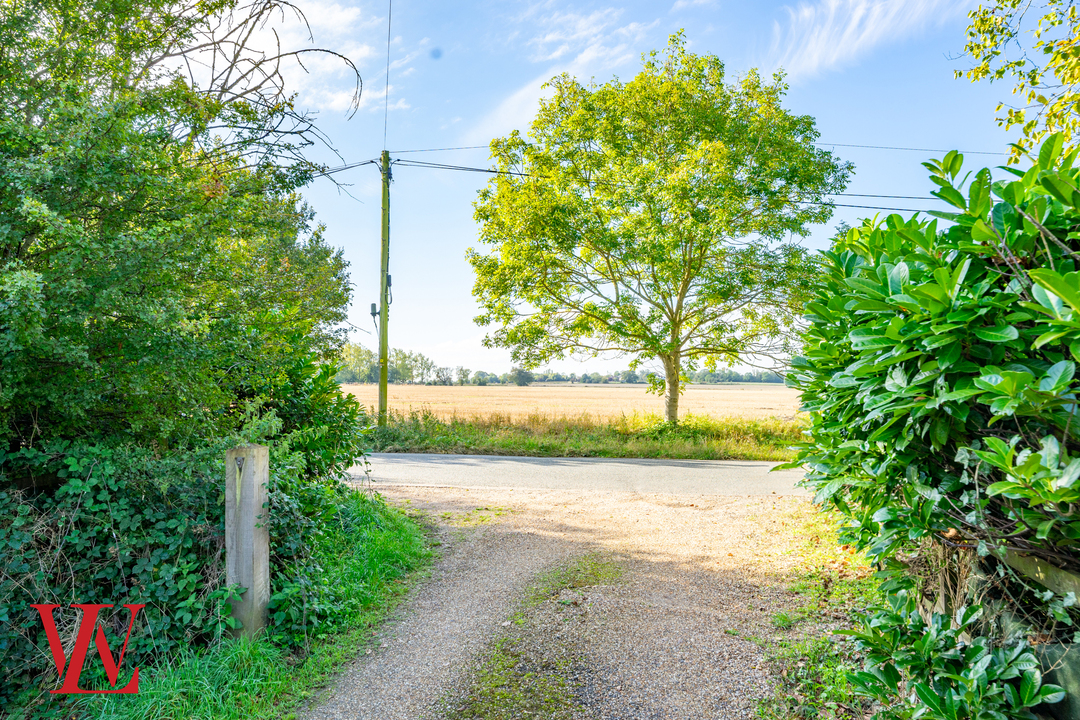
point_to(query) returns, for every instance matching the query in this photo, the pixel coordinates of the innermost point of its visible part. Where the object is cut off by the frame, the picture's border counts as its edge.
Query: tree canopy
(156, 263)
(653, 218)
(1036, 45)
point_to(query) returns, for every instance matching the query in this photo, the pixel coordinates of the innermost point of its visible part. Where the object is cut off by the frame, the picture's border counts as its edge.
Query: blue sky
(871, 73)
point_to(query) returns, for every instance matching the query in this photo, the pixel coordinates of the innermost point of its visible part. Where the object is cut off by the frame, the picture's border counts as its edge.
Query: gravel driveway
(679, 637)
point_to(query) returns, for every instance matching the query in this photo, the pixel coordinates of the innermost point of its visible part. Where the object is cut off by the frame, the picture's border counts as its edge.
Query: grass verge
(836, 583)
(251, 679)
(527, 673)
(636, 435)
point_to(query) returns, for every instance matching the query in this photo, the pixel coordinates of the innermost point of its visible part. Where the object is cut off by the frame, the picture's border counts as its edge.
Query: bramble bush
(125, 523)
(939, 370)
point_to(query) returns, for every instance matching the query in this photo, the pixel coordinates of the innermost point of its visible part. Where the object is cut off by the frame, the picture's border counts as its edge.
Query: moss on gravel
(525, 673)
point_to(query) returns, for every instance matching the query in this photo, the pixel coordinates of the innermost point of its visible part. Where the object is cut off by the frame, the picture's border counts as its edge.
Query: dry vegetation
(602, 402)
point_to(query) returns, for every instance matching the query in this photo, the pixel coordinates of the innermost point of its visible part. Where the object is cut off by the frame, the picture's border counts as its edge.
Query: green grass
(636, 435)
(835, 583)
(251, 679)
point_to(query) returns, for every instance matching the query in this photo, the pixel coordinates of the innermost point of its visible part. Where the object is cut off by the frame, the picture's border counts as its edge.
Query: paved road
(675, 477)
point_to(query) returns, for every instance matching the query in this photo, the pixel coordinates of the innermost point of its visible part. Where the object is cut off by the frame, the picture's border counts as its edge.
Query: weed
(511, 684)
(474, 518)
(815, 682)
(836, 583)
(584, 571)
(783, 621)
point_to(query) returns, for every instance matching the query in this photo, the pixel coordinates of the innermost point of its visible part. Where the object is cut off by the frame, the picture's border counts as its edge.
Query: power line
(489, 171)
(350, 166)
(386, 89)
(866, 147)
(465, 168)
(889, 197)
(468, 147)
(907, 149)
(861, 207)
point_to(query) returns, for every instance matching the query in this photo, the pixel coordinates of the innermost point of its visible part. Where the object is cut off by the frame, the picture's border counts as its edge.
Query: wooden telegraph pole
(384, 289)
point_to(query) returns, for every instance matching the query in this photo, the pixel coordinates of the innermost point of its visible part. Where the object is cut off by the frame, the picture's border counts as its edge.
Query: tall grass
(640, 435)
(245, 679)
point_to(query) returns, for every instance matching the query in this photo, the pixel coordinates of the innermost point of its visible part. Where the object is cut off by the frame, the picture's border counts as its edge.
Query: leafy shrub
(92, 522)
(242, 679)
(939, 373)
(948, 678)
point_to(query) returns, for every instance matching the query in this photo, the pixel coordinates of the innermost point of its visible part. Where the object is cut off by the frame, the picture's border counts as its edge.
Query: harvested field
(753, 400)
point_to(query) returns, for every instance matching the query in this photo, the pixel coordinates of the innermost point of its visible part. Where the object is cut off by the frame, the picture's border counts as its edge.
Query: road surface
(672, 477)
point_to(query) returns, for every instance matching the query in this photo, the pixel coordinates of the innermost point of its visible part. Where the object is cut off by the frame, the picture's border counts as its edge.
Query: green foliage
(368, 555)
(156, 264)
(521, 377)
(939, 374)
(947, 678)
(815, 684)
(645, 436)
(164, 294)
(229, 681)
(360, 365)
(1043, 66)
(646, 217)
(124, 523)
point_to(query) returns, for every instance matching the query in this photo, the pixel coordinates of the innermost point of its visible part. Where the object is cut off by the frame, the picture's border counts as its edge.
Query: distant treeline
(360, 365)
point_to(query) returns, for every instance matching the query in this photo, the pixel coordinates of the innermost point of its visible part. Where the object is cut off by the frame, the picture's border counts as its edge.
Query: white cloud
(565, 31)
(399, 104)
(582, 45)
(682, 4)
(831, 33)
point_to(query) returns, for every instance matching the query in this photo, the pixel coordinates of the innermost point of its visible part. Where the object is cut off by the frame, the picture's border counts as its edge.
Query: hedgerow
(940, 374)
(99, 522)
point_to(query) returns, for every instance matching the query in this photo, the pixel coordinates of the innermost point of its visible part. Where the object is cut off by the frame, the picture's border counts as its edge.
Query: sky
(872, 73)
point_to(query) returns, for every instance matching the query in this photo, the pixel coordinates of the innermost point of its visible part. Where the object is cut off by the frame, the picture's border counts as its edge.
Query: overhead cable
(464, 168)
(907, 149)
(350, 166)
(467, 147)
(386, 89)
(818, 142)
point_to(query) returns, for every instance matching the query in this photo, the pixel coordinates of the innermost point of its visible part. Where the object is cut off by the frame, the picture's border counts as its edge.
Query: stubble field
(600, 402)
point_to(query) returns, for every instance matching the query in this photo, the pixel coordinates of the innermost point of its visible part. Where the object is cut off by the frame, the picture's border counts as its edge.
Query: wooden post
(247, 538)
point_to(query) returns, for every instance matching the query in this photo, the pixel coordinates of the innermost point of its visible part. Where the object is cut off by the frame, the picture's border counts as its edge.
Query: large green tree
(156, 264)
(653, 218)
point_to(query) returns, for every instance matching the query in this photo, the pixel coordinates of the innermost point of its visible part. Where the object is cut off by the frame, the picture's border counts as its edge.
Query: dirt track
(703, 575)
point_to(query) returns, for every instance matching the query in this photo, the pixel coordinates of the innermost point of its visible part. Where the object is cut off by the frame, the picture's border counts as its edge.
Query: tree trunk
(672, 368)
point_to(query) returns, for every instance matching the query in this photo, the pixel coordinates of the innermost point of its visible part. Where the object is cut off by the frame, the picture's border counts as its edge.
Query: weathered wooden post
(247, 538)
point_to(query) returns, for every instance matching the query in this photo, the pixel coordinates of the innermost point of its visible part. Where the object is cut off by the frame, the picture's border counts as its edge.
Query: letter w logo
(82, 646)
